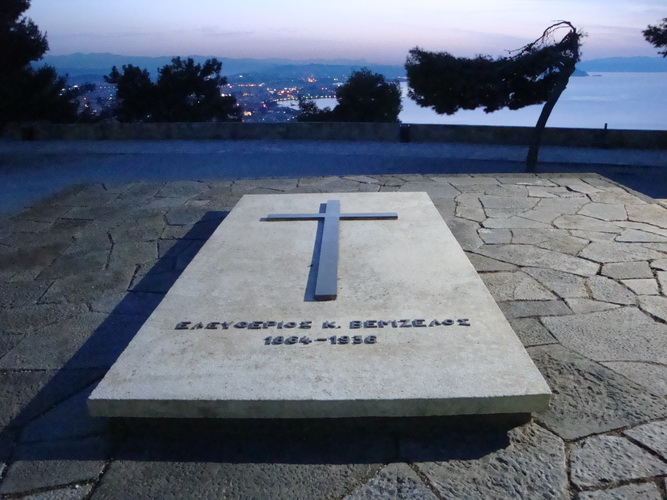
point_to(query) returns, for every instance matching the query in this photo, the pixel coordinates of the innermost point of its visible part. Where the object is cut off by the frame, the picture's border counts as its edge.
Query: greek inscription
(326, 325)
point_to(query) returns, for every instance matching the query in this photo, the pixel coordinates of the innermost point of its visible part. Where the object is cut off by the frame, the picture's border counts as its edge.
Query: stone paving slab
(576, 262)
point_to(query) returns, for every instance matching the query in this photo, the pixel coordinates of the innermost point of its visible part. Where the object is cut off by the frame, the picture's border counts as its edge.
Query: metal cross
(326, 283)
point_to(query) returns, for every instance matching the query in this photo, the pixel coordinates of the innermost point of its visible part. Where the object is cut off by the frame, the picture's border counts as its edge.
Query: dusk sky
(377, 31)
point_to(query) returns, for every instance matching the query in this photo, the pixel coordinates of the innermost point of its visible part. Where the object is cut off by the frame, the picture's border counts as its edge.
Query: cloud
(228, 34)
(217, 32)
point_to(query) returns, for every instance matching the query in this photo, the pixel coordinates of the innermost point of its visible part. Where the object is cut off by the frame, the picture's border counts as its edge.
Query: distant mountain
(94, 66)
(625, 64)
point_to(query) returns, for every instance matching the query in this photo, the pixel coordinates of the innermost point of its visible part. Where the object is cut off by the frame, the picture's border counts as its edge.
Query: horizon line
(287, 58)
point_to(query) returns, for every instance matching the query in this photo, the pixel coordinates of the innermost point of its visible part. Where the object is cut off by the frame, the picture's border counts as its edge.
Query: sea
(631, 101)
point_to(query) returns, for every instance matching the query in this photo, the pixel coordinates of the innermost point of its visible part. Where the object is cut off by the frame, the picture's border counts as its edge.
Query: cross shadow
(309, 294)
(55, 424)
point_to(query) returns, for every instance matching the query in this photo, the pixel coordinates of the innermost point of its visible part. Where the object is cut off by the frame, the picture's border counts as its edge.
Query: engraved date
(333, 340)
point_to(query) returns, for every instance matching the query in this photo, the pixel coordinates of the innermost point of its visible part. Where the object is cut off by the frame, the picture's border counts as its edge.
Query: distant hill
(625, 65)
(94, 66)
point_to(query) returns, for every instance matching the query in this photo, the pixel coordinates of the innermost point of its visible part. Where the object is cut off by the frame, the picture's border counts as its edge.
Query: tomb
(325, 306)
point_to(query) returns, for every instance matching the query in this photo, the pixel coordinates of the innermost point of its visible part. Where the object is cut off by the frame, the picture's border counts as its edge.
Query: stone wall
(601, 138)
(577, 137)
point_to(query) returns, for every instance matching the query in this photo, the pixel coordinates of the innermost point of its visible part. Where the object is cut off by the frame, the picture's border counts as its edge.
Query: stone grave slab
(409, 330)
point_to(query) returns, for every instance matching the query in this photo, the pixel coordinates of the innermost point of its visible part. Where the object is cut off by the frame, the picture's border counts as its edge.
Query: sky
(377, 31)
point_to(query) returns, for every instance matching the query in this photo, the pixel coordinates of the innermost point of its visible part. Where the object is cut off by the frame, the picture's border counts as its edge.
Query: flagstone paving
(577, 263)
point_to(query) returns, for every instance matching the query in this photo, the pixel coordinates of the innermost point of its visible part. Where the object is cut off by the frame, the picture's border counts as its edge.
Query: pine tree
(535, 74)
(184, 92)
(364, 97)
(27, 93)
(657, 36)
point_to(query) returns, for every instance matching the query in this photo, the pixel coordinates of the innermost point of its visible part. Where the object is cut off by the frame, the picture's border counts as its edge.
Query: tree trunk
(536, 141)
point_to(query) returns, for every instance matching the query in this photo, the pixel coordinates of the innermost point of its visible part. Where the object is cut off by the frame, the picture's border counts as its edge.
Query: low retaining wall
(390, 132)
(573, 137)
(208, 131)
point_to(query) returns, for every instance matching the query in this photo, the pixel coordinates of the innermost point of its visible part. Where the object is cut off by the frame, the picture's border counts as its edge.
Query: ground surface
(577, 263)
